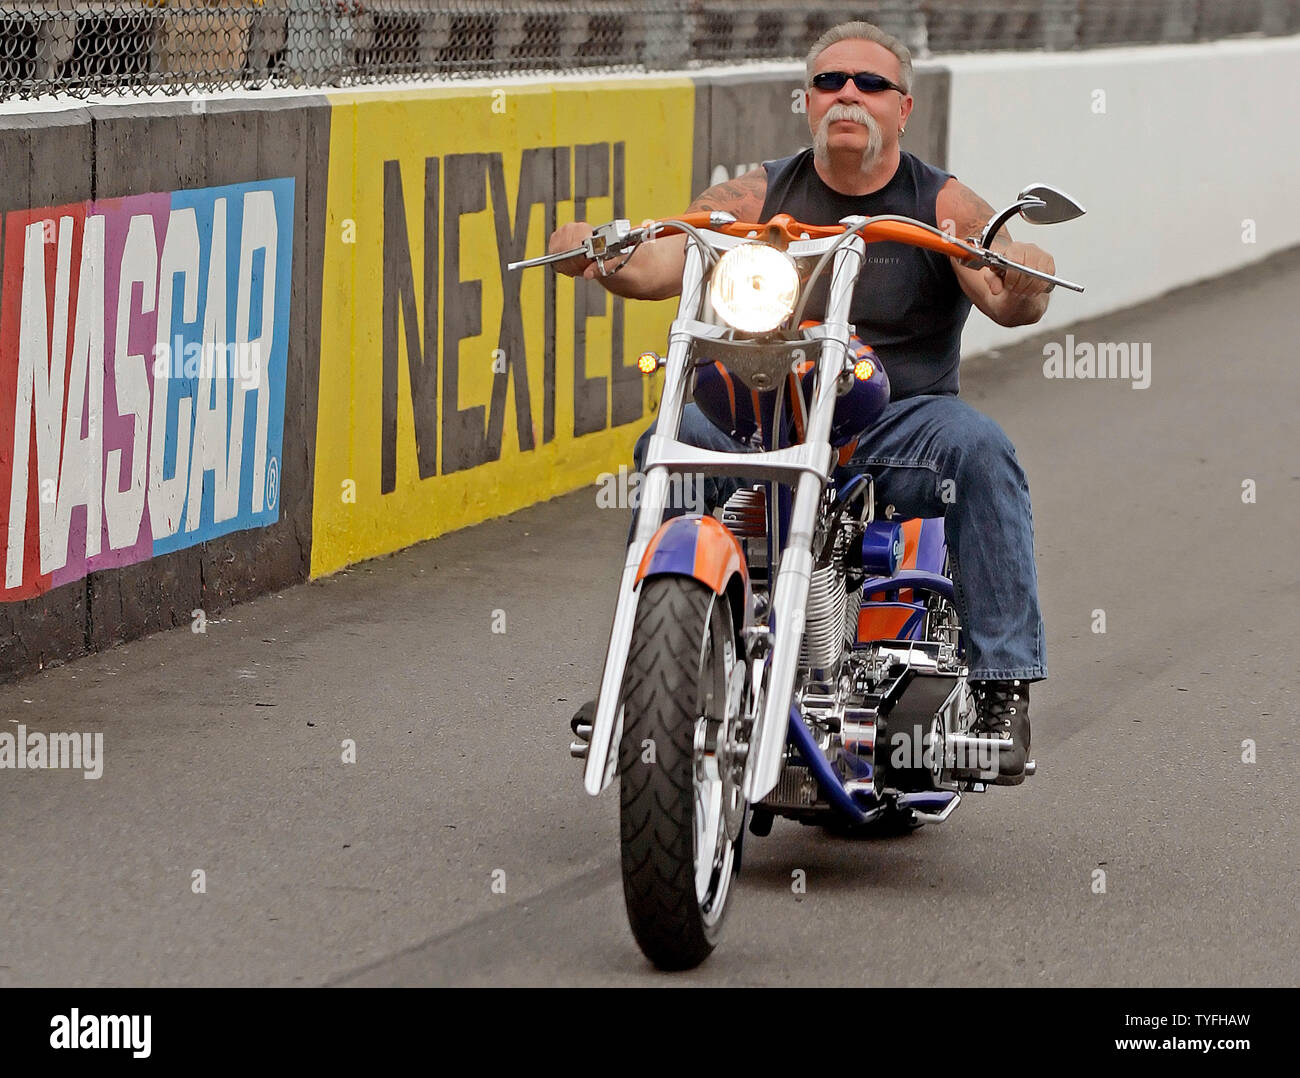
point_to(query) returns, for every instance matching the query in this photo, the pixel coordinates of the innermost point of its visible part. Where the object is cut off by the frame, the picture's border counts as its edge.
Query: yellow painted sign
(452, 390)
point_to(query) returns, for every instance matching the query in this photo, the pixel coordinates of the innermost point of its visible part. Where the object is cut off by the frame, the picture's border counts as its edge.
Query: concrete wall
(1195, 142)
(453, 390)
(125, 166)
(35, 156)
(412, 392)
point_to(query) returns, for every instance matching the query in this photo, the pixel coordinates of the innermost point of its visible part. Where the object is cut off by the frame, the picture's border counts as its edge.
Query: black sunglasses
(831, 81)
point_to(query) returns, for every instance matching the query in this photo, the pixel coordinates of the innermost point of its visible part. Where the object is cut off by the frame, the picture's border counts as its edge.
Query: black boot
(584, 716)
(1002, 711)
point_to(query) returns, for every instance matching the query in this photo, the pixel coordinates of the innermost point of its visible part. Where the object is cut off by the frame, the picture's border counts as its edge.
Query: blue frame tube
(916, 579)
(821, 769)
(913, 625)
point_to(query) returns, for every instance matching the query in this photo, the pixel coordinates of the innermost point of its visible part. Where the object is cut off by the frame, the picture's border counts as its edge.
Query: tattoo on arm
(971, 213)
(743, 196)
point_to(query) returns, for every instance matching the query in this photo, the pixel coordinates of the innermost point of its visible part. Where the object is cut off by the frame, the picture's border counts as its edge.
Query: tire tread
(656, 801)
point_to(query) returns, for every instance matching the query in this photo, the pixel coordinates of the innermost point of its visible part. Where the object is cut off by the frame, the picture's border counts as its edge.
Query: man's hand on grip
(567, 237)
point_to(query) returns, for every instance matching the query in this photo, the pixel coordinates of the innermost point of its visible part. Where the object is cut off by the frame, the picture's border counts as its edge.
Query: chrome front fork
(602, 755)
(794, 575)
(807, 465)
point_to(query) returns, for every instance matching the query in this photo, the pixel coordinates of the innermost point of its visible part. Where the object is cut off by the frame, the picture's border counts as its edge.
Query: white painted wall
(1194, 140)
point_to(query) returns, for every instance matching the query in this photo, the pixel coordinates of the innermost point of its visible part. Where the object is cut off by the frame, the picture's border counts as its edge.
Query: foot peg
(930, 806)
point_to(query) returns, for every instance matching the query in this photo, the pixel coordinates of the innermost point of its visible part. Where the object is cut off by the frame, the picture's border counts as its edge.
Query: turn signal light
(648, 362)
(864, 370)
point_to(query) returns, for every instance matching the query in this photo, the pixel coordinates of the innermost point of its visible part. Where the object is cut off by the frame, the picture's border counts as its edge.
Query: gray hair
(863, 31)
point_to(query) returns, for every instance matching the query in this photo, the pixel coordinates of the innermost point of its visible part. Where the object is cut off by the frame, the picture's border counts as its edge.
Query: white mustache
(854, 113)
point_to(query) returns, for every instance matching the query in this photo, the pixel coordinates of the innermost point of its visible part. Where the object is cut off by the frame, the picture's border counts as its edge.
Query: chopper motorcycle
(798, 656)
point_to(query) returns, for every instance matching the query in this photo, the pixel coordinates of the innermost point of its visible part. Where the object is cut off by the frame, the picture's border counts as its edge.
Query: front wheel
(681, 807)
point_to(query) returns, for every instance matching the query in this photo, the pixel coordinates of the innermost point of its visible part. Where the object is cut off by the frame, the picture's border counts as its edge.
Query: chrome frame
(807, 466)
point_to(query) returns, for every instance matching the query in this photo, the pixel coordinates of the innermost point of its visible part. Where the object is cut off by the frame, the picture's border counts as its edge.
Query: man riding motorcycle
(930, 453)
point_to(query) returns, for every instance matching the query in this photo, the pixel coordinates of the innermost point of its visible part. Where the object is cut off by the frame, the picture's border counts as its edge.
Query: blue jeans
(936, 456)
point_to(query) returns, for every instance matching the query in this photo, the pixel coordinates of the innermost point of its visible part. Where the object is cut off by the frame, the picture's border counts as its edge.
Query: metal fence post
(54, 46)
(1180, 21)
(310, 54)
(1060, 24)
(1279, 17)
(668, 35)
(907, 23)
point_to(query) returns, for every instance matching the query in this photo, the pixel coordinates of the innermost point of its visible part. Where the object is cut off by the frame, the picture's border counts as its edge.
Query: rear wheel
(681, 809)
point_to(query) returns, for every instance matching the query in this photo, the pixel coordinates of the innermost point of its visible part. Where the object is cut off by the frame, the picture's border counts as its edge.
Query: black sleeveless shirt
(908, 305)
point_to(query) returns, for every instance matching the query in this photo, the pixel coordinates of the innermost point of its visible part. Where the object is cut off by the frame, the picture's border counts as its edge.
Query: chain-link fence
(81, 47)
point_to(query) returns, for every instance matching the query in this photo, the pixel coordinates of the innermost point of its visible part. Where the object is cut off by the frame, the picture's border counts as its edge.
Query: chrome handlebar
(608, 241)
(620, 238)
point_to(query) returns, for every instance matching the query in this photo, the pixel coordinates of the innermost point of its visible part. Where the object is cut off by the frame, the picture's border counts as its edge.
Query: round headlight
(754, 287)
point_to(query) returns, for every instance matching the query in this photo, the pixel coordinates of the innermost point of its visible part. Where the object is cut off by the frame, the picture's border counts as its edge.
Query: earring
(902, 131)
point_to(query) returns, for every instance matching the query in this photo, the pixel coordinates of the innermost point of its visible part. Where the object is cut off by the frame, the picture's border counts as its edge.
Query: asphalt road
(222, 751)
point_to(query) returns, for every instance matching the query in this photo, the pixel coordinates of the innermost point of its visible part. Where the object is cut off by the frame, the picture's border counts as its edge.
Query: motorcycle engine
(831, 620)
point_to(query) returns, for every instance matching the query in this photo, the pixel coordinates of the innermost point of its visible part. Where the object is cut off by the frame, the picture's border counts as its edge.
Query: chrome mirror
(1040, 204)
(1052, 205)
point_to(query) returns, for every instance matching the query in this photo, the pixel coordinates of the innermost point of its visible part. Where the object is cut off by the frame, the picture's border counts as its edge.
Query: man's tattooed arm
(655, 269)
(962, 213)
(1013, 299)
(742, 196)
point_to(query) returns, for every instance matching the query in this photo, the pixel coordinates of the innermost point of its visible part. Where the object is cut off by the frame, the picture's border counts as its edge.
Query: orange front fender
(695, 546)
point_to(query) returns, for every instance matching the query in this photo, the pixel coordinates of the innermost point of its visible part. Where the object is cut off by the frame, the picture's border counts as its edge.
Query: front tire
(679, 855)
